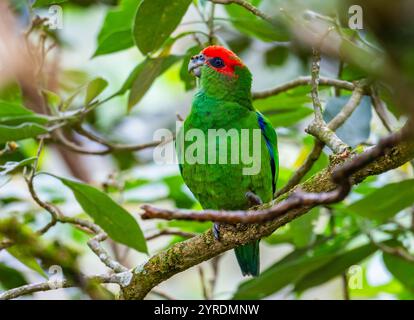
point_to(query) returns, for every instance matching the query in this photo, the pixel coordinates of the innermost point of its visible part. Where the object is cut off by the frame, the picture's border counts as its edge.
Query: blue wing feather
(270, 137)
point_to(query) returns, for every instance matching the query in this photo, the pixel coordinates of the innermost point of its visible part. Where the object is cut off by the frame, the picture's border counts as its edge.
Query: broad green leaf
(288, 270)
(357, 127)
(321, 163)
(302, 228)
(10, 278)
(43, 3)
(253, 26)
(276, 56)
(175, 185)
(24, 256)
(339, 264)
(95, 88)
(400, 268)
(390, 98)
(286, 108)
(20, 120)
(144, 75)
(281, 235)
(109, 215)
(52, 99)
(116, 30)
(352, 73)
(10, 166)
(23, 131)
(12, 109)
(11, 92)
(12, 113)
(188, 79)
(155, 21)
(71, 79)
(385, 202)
(287, 117)
(131, 184)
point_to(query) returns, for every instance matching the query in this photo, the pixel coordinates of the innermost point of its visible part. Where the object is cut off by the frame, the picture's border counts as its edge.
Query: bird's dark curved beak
(195, 64)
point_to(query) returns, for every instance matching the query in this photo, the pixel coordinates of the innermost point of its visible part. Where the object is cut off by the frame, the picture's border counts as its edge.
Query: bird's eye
(217, 62)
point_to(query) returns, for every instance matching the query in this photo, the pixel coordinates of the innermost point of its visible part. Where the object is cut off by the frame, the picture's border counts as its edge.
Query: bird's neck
(225, 88)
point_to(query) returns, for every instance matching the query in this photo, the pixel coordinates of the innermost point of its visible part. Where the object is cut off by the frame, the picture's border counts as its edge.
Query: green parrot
(224, 101)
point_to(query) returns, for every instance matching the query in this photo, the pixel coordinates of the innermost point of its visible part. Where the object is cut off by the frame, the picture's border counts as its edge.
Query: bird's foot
(253, 199)
(216, 231)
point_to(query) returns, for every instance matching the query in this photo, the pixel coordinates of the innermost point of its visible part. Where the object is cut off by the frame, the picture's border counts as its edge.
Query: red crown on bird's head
(231, 60)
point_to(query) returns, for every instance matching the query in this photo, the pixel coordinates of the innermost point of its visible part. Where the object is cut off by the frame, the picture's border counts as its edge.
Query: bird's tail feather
(248, 258)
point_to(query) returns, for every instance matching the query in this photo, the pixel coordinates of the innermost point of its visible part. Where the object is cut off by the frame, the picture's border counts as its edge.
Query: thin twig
(121, 279)
(303, 81)
(167, 232)
(213, 281)
(203, 283)
(395, 251)
(94, 243)
(54, 212)
(317, 106)
(109, 147)
(345, 289)
(333, 125)
(303, 169)
(248, 6)
(380, 110)
(318, 127)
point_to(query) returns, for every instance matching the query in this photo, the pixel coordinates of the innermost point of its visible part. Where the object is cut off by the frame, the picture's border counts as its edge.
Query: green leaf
(385, 202)
(10, 166)
(22, 254)
(251, 25)
(116, 30)
(94, 89)
(281, 235)
(302, 228)
(109, 215)
(12, 113)
(400, 269)
(287, 117)
(11, 109)
(52, 99)
(155, 21)
(289, 270)
(143, 76)
(276, 56)
(338, 265)
(286, 108)
(43, 3)
(175, 186)
(357, 127)
(188, 79)
(10, 278)
(11, 92)
(20, 132)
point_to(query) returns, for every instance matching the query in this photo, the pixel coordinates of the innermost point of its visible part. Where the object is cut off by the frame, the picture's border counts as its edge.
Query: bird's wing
(270, 137)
